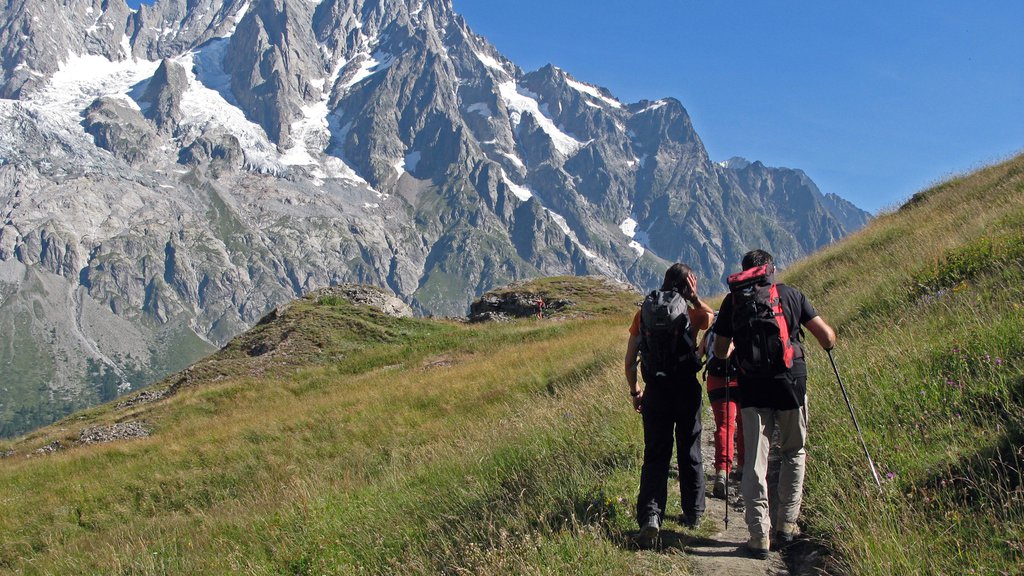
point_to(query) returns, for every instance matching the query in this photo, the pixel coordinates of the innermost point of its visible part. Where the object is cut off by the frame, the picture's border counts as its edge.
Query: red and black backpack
(760, 332)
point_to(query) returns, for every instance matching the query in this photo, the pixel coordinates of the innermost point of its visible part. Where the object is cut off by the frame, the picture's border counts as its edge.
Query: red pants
(725, 443)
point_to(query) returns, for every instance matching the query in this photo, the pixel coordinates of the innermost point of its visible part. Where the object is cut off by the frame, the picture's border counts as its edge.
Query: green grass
(395, 445)
(927, 302)
(334, 440)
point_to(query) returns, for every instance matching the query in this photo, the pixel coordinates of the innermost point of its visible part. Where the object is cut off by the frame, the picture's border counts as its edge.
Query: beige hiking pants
(759, 424)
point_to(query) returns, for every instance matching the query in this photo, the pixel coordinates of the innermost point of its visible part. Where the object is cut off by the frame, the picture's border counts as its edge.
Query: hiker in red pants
(724, 395)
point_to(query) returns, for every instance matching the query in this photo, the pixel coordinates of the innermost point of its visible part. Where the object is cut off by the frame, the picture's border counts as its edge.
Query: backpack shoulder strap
(780, 318)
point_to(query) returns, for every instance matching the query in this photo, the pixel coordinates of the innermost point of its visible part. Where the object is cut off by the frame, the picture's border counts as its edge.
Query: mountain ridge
(193, 165)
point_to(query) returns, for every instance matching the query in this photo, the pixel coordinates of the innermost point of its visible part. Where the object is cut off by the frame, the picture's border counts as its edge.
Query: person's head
(756, 258)
(675, 278)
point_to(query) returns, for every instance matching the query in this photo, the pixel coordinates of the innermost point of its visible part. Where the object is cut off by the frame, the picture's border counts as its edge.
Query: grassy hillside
(929, 305)
(336, 440)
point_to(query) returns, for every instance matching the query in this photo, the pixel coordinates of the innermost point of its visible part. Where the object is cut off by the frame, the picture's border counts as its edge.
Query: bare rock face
(274, 58)
(219, 150)
(119, 129)
(163, 94)
(172, 174)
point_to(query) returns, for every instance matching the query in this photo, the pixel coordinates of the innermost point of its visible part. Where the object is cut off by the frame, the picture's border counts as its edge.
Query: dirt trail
(723, 553)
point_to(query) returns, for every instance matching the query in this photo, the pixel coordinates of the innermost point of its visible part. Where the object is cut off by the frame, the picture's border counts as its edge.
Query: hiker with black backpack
(763, 320)
(663, 334)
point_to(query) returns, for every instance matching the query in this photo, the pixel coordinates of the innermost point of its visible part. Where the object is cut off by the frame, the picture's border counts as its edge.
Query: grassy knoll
(392, 446)
(335, 440)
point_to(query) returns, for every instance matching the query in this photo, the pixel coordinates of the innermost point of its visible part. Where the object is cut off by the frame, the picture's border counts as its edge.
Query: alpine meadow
(334, 439)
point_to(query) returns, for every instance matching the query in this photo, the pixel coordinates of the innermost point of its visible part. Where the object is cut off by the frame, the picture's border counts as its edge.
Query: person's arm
(824, 333)
(632, 349)
(702, 346)
(723, 346)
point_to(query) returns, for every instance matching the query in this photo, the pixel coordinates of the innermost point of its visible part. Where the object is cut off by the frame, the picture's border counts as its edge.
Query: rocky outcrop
(365, 295)
(113, 432)
(162, 97)
(220, 150)
(119, 129)
(524, 299)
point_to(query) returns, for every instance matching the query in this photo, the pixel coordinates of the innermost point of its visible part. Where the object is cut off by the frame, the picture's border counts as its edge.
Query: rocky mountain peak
(173, 173)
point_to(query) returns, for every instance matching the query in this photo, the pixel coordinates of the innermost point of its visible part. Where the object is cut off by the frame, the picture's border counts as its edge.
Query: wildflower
(956, 349)
(999, 361)
(890, 475)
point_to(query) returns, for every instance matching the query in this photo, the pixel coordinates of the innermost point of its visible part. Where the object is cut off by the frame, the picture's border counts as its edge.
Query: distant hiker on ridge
(763, 319)
(663, 333)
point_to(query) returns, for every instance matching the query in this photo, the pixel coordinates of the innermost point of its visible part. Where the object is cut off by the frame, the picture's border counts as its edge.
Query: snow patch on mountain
(482, 109)
(521, 192)
(370, 64)
(408, 163)
(654, 106)
(521, 101)
(209, 105)
(308, 132)
(514, 159)
(628, 227)
(237, 18)
(564, 225)
(336, 164)
(593, 92)
(490, 62)
(80, 80)
(312, 130)
(638, 240)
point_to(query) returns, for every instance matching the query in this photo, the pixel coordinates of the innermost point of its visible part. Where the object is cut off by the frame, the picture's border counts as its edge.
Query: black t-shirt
(786, 390)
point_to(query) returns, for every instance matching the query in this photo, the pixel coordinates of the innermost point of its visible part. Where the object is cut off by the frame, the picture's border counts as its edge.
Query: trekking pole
(842, 387)
(728, 442)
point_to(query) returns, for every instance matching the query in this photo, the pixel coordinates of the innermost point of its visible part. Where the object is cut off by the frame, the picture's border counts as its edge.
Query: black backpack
(714, 366)
(667, 348)
(760, 332)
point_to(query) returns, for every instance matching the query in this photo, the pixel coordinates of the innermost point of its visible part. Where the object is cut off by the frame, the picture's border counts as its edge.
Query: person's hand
(691, 283)
(638, 401)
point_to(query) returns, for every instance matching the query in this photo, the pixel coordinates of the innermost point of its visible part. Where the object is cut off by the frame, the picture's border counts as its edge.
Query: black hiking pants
(671, 412)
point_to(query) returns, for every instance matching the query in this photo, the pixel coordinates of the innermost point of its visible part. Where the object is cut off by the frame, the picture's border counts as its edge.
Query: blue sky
(874, 100)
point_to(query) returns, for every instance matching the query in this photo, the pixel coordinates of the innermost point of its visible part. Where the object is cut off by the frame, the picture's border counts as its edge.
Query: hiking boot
(648, 533)
(757, 547)
(690, 522)
(719, 488)
(737, 474)
(786, 533)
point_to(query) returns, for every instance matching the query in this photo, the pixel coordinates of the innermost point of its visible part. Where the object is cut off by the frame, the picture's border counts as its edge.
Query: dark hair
(675, 278)
(756, 258)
